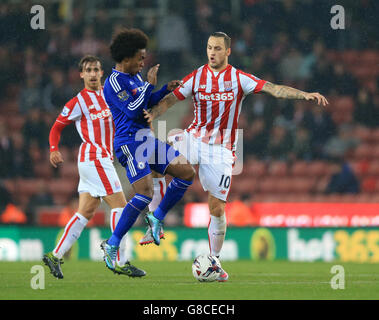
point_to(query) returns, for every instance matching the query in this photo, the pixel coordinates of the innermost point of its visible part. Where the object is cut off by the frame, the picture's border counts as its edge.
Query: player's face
(135, 64)
(92, 74)
(217, 53)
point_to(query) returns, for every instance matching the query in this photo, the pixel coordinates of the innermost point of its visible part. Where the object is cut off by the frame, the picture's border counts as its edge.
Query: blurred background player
(218, 90)
(98, 177)
(136, 148)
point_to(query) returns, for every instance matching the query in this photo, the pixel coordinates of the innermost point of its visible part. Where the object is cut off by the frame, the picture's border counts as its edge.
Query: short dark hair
(126, 43)
(227, 39)
(86, 59)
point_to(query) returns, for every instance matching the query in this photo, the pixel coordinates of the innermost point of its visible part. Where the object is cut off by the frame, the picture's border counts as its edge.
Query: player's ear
(81, 74)
(228, 51)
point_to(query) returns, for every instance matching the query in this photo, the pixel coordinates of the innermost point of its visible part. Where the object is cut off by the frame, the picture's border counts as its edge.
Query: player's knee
(147, 191)
(189, 173)
(88, 214)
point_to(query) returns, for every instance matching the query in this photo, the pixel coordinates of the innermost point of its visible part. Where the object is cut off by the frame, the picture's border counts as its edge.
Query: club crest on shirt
(123, 96)
(228, 85)
(141, 165)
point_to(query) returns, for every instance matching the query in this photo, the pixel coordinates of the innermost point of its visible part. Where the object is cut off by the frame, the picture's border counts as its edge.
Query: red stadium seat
(299, 169)
(27, 187)
(69, 170)
(363, 134)
(373, 168)
(254, 168)
(363, 152)
(278, 168)
(63, 187)
(360, 167)
(283, 185)
(321, 184)
(242, 184)
(302, 185)
(369, 184)
(349, 57)
(268, 185)
(43, 170)
(318, 169)
(375, 136)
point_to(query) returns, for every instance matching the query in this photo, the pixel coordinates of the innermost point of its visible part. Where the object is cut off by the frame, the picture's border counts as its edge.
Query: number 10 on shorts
(225, 182)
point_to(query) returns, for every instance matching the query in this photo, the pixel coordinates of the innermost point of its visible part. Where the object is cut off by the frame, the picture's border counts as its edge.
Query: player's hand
(149, 117)
(152, 75)
(56, 158)
(316, 96)
(172, 85)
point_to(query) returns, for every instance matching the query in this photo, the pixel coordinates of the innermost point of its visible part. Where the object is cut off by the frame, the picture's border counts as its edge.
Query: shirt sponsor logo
(225, 96)
(101, 114)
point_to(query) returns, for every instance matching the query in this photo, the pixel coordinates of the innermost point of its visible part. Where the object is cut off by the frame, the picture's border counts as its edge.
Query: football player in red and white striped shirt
(98, 177)
(217, 90)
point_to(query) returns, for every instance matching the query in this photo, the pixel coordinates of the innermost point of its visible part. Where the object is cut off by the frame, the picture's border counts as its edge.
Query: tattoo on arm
(283, 92)
(168, 101)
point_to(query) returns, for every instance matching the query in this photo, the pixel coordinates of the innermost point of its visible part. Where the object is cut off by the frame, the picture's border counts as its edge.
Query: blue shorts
(140, 157)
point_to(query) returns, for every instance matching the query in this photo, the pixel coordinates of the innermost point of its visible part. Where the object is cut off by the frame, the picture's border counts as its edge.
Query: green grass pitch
(249, 280)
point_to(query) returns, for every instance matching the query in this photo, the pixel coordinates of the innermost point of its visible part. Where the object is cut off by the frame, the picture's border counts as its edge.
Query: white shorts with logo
(214, 160)
(99, 178)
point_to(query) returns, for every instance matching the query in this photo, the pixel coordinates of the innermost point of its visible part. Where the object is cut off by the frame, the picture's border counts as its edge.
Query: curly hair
(126, 43)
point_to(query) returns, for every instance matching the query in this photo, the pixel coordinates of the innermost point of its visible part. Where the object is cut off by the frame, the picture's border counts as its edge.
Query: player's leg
(143, 193)
(159, 187)
(72, 232)
(183, 174)
(73, 229)
(117, 202)
(159, 190)
(215, 176)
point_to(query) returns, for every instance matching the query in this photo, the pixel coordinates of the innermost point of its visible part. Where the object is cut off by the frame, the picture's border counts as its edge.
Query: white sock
(159, 185)
(216, 234)
(121, 254)
(71, 233)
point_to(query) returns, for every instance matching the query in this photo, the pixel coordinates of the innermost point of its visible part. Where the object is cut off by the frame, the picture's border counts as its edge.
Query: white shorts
(214, 160)
(99, 178)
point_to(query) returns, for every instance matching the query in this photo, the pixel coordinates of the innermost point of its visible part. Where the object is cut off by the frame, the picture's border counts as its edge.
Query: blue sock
(175, 191)
(128, 217)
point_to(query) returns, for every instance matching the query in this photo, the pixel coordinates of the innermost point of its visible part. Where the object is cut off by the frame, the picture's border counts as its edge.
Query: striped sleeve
(250, 83)
(186, 90)
(70, 112)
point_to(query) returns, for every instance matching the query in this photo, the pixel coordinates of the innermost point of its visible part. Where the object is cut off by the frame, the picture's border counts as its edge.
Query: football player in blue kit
(136, 148)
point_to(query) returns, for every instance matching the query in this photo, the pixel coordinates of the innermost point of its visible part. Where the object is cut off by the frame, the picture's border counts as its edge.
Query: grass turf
(248, 280)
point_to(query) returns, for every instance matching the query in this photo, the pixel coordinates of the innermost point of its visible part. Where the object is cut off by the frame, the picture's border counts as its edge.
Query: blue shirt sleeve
(131, 104)
(158, 96)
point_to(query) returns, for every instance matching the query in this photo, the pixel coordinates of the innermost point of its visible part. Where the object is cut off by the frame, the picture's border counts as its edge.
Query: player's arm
(167, 102)
(54, 138)
(71, 112)
(157, 96)
(285, 92)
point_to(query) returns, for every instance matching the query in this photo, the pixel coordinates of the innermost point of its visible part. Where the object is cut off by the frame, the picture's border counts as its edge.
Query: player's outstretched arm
(285, 92)
(167, 102)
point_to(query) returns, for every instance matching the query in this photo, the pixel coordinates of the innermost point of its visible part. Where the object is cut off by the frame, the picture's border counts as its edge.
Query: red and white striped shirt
(94, 122)
(217, 102)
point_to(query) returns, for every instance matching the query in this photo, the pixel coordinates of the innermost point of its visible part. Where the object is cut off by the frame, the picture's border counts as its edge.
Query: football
(206, 268)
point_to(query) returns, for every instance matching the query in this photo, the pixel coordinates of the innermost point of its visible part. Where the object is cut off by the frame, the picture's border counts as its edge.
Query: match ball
(206, 268)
